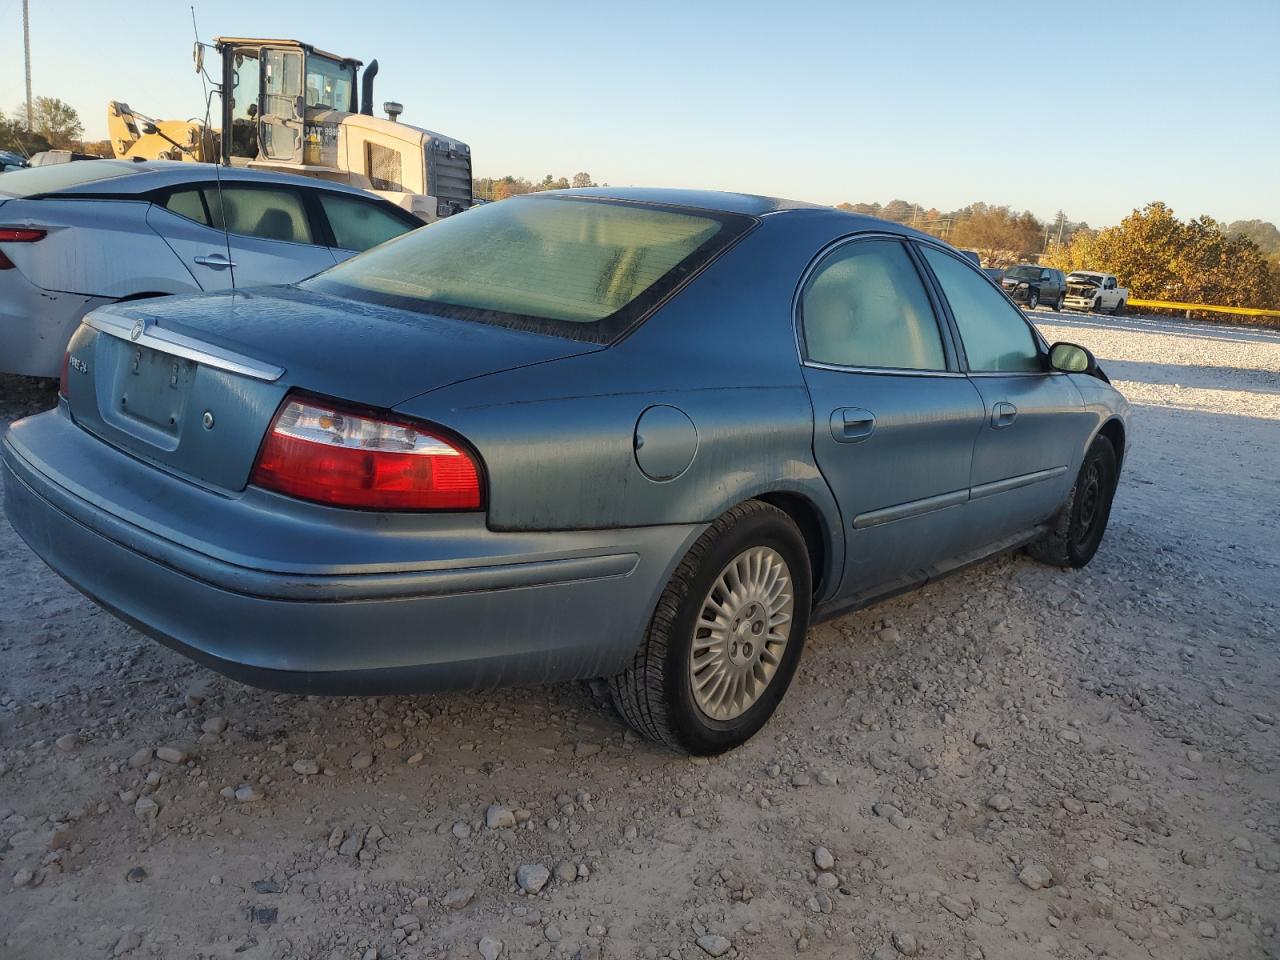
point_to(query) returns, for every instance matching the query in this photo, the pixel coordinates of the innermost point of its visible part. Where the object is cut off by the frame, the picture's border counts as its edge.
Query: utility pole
(26, 49)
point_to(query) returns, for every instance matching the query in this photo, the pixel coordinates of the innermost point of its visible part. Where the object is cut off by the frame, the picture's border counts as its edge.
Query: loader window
(244, 105)
(329, 83)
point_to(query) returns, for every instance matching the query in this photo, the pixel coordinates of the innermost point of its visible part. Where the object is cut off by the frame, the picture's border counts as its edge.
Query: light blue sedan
(75, 236)
(647, 435)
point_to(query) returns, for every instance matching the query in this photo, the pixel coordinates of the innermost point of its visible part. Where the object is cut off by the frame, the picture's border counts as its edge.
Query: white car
(74, 236)
(1095, 292)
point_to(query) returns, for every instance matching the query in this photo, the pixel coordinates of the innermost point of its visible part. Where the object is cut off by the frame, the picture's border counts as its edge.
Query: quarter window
(270, 214)
(995, 334)
(865, 306)
(358, 225)
(187, 203)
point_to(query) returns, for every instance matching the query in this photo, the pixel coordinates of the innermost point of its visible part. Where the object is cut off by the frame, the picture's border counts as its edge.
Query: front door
(1033, 420)
(283, 106)
(894, 422)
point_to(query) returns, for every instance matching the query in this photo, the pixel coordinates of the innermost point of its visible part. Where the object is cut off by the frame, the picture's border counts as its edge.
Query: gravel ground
(1018, 762)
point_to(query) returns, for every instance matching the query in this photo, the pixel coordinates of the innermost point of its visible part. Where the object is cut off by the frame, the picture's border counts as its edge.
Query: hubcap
(741, 633)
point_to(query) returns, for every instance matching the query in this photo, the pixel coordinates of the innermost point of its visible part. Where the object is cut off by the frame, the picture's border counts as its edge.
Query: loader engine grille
(382, 167)
(449, 175)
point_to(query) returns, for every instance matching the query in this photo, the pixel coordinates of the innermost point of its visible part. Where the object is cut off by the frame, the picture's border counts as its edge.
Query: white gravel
(1067, 764)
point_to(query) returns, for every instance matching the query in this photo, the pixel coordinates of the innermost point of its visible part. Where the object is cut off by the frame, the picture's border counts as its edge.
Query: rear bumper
(462, 609)
(36, 324)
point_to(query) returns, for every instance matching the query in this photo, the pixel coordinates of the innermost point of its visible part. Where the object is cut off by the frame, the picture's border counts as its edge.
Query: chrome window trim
(180, 345)
(818, 259)
(888, 371)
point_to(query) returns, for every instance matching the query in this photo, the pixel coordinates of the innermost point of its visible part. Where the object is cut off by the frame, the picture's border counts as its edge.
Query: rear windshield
(60, 176)
(1023, 273)
(581, 268)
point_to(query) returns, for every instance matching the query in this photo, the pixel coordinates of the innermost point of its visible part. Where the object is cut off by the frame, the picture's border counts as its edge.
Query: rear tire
(1119, 308)
(656, 692)
(1076, 530)
(1062, 299)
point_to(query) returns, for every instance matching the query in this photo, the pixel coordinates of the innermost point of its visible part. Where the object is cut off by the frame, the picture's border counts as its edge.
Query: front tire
(1033, 300)
(1076, 530)
(725, 639)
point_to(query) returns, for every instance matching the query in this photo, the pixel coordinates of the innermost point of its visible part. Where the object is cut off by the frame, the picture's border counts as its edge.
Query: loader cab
(269, 85)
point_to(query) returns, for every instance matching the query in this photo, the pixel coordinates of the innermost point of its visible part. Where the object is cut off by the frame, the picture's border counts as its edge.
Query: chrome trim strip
(1013, 483)
(180, 345)
(917, 508)
(912, 508)
(890, 371)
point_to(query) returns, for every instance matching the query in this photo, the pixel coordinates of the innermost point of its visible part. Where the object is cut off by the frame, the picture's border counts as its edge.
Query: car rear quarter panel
(100, 248)
(558, 439)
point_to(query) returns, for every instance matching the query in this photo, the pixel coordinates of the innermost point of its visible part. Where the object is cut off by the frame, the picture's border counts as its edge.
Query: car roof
(142, 176)
(746, 203)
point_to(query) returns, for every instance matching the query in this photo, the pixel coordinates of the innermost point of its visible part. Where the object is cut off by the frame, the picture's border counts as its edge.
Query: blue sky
(1092, 108)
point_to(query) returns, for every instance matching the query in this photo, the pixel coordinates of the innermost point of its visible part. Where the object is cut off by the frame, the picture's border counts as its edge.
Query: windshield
(60, 176)
(585, 269)
(1084, 278)
(1022, 273)
(329, 83)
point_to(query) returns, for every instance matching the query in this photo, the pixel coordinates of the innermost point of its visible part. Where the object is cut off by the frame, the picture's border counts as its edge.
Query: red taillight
(333, 454)
(17, 235)
(62, 374)
(21, 234)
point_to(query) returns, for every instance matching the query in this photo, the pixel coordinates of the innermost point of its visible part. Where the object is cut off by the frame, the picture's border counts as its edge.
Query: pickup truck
(1096, 292)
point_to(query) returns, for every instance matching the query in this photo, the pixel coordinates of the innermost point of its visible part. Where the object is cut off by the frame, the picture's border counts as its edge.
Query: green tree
(1159, 257)
(583, 180)
(999, 235)
(16, 137)
(55, 121)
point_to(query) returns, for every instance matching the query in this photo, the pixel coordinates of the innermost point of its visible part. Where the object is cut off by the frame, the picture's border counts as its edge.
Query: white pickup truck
(1096, 292)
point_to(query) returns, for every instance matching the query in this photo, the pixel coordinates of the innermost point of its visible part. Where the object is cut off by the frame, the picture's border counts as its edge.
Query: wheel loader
(285, 105)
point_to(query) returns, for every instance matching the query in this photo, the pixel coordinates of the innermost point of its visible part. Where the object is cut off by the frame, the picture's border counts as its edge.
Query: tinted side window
(995, 334)
(865, 306)
(187, 203)
(358, 225)
(271, 214)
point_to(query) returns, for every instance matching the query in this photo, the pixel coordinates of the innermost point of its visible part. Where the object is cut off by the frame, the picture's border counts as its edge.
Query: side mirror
(1070, 358)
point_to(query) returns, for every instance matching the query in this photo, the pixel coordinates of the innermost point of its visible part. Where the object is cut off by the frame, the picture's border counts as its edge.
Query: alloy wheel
(741, 633)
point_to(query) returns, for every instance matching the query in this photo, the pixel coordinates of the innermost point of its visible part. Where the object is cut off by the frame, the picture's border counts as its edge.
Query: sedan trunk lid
(192, 383)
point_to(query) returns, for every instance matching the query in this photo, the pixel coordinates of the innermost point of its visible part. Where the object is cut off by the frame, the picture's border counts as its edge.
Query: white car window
(267, 213)
(357, 224)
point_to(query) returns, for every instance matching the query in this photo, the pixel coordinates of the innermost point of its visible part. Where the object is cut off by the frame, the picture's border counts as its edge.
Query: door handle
(1003, 414)
(852, 424)
(215, 260)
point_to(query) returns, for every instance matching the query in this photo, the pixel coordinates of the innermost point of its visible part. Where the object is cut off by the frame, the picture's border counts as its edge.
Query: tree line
(1156, 255)
(499, 188)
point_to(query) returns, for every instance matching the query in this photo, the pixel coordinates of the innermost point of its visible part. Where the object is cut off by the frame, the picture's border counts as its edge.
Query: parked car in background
(1034, 285)
(11, 161)
(648, 435)
(75, 236)
(995, 274)
(973, 256)
(1096, 292)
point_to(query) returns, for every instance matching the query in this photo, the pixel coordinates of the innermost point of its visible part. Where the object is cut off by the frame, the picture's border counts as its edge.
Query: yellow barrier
(1169, 305)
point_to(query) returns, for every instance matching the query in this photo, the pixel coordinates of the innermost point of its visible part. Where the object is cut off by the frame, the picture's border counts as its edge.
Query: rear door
(270, 235)
(1033, 420)
(894, 419)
